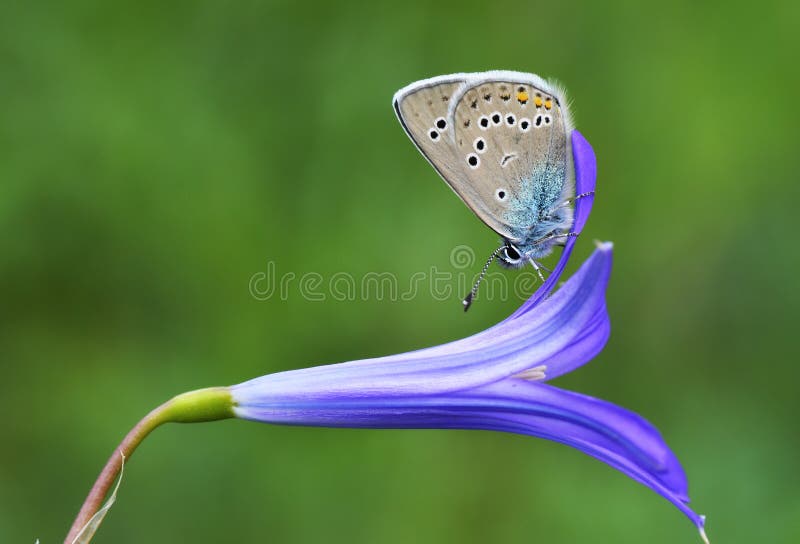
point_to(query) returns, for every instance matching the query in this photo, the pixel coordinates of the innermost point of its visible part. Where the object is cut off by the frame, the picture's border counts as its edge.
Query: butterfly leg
(543, 267)
(537, 268)
(569, 201)
(566, 235)
(553, 236)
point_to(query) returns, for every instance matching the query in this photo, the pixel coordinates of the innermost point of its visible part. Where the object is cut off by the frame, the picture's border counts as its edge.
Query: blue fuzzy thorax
(537, 211)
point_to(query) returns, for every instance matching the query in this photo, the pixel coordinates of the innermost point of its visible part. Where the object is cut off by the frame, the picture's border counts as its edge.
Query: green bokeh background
(154, 156)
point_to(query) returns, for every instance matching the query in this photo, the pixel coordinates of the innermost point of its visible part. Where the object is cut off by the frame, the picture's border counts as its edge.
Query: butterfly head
(518, 255)
(510, 256)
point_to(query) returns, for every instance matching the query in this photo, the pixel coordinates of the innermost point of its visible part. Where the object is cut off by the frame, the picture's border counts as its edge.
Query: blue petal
(470, 384)
(607, 432)
(567, 330)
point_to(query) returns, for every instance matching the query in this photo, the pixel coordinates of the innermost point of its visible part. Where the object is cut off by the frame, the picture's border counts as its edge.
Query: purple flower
(493, 380)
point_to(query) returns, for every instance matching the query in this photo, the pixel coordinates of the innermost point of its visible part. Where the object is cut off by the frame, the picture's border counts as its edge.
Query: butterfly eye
(510, 119)
(473, 161)
(479, 144)
(510, 255)
(483, 122)
(441, 123)
(524, 124)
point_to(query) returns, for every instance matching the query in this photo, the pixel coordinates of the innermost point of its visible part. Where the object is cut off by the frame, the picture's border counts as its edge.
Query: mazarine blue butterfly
(501, 140)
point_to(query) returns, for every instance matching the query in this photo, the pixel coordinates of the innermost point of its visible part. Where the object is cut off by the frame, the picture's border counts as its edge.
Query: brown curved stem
(196, 406)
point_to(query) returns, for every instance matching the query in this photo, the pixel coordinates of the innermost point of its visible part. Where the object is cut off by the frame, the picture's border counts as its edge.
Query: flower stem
(193, 407)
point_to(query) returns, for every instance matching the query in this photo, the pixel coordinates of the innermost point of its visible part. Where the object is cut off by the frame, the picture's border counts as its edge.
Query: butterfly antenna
(467, 302)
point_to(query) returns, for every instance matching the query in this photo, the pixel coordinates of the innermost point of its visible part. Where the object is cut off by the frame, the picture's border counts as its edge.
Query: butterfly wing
(425, 109)
(511, 137)
(504, 145)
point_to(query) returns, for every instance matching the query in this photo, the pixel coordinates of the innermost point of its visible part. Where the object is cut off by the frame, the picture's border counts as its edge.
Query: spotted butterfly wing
(499, 139)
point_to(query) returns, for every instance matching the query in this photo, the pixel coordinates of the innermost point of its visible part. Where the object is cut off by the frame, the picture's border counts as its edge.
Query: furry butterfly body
(500, 140)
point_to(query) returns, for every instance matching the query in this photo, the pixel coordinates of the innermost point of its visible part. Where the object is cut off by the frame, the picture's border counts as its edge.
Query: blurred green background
(155, 156)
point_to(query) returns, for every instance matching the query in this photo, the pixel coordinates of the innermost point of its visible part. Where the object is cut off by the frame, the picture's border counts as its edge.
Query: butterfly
(501, 141)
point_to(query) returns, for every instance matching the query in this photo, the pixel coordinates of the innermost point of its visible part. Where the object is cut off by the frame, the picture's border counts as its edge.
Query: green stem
(193, 407)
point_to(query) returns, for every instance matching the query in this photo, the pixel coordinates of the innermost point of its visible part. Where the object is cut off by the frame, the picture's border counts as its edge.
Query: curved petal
(470, 384)
(585, 178)
(602, 430)
(566, 330)
(583, 349)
